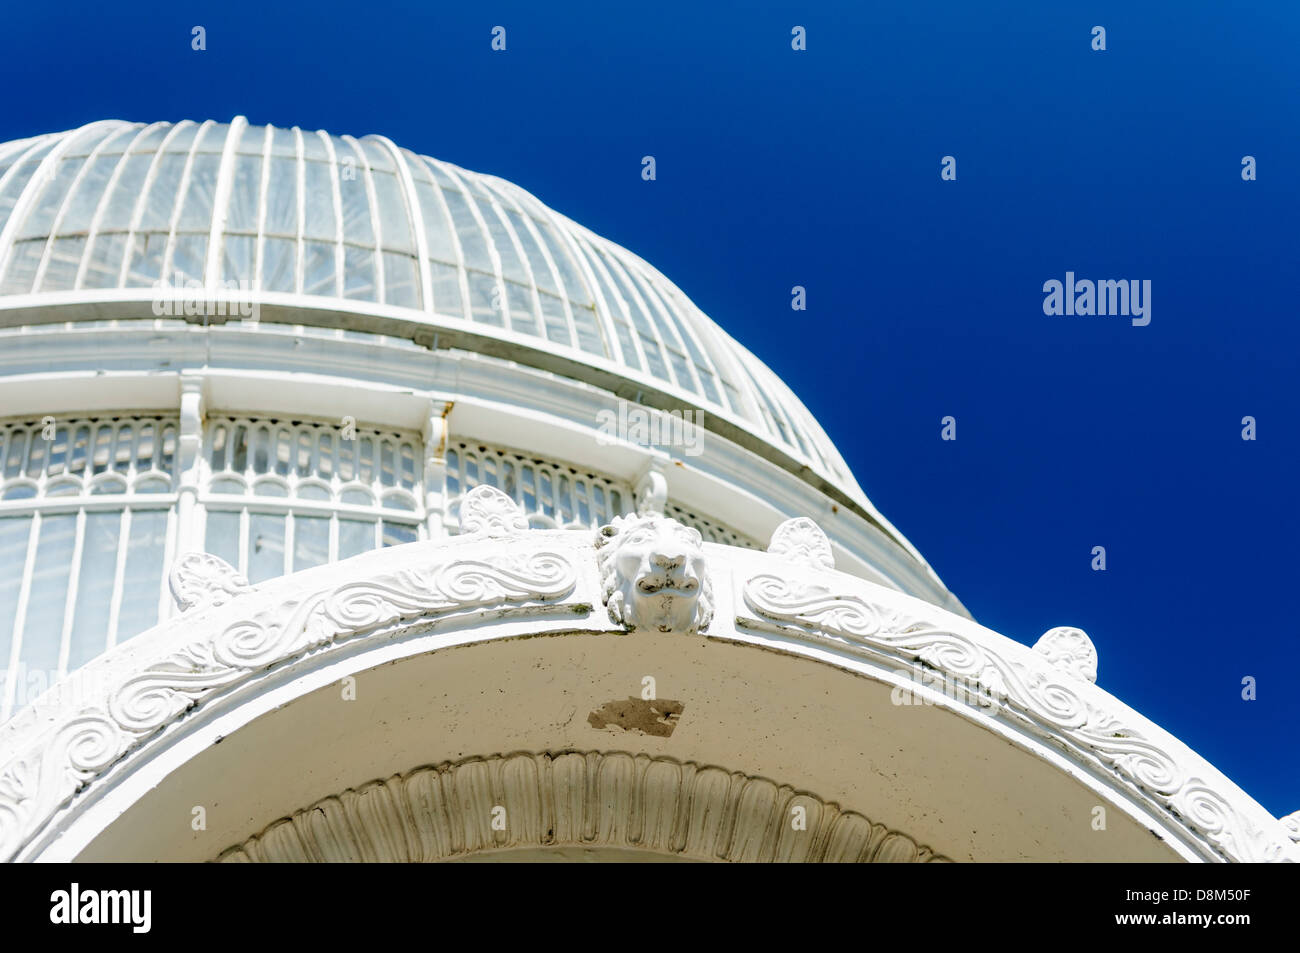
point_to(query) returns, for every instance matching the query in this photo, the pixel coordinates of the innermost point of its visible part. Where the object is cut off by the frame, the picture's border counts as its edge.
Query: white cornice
(249, 371)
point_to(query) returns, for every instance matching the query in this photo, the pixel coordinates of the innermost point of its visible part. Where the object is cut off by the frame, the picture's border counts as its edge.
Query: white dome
(307, 217)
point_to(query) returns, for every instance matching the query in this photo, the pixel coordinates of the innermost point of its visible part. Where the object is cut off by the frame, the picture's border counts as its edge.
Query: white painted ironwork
(282, 496)
(553, 495)
(86, 526)
(222, 202)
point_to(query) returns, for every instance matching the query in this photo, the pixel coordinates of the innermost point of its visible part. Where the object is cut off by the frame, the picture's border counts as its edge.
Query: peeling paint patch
(656, 717)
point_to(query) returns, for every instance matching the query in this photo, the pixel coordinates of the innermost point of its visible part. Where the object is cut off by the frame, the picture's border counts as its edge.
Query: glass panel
(574, 286)
(222, 538)
(437, 230)
(352, 191)
(394, 226)
(90, 190)
(146, 259)
(472, 240)
(557, 327)
(283, 142)
(265, 547)
(12, 188)
(43, 628)
(395, 534)
(282, 198)
(446, 290)
(355, 537)
(188, 259)
(313, 147)
(130, 182)
(158, 206)
(183, 138)
(400, 281)
(65, 259)
(359, 273)
(105, 262)
(214, 137)
(320, 274)
(522, 318)
(40, 218)
(26, 258)
(196, 213)
(278, 264)
(484, 297)
(319, 200)
(378, 157)
(94, 588)
(142, 580)
(311, 541)
(237, 262)
(542, 275)
(14, 534)
(254, 139)
(245, 191)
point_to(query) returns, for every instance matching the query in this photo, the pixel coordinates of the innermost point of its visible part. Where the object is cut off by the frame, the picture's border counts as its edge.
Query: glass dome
(323, 428)
(117, 205)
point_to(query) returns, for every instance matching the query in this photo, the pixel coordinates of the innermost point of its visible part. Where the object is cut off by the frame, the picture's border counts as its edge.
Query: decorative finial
(802, 541)
(651, 492)
(1292, 824)
(201, 581)
(487, 511)
(1071, 650)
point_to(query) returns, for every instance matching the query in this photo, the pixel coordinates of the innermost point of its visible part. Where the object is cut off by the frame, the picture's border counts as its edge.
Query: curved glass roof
(117, 205)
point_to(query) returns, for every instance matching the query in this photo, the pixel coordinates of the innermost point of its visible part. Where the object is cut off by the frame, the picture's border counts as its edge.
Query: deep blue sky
(821, 168)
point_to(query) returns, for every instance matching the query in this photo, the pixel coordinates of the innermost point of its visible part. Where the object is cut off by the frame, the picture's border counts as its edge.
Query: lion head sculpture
(653, 574)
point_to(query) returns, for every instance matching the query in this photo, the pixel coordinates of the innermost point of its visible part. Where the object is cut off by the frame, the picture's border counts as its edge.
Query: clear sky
(821, 168)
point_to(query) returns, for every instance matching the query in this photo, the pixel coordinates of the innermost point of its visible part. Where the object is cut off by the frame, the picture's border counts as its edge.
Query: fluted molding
(592, 799)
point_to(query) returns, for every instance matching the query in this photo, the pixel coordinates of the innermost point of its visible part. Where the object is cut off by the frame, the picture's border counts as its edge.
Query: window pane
(311, 542)
(222, 538)
(265, 547)
(14, 533)
(94, 588)
(142, 581)
(395, 534)
(355, 537)
(43, 629)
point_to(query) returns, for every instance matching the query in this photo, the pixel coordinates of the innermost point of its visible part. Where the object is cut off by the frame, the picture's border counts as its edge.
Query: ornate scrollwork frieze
(39, 780)
(1050, 687)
